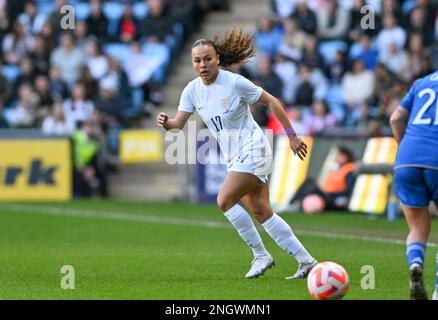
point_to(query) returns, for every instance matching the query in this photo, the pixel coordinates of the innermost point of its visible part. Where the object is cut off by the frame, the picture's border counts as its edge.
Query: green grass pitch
(131, 250)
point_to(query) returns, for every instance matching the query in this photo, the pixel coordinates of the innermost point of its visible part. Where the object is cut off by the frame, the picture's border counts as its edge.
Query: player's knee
(225, 202)
(262, 213)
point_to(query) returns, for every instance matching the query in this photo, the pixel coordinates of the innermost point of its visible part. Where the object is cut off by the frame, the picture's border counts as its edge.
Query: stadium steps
(163, 182)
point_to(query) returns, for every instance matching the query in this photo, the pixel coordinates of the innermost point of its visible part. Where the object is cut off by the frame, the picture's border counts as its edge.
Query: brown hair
(235, 47)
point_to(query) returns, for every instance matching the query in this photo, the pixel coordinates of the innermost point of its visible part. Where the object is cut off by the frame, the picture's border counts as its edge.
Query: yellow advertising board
(33, 170)
(140, 146)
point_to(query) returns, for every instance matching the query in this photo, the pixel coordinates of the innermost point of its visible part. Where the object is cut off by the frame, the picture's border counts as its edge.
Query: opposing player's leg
(419, 225)
(414, 194)
(435, 293)
(257, 201)
(235, 186)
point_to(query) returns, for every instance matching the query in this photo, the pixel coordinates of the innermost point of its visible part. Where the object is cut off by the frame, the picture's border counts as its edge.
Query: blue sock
(415, 253)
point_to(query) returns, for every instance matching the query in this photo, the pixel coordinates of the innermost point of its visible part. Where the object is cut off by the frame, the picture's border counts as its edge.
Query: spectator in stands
(337, 185)
(293, 41)
(45, 97)
(55, 18)
(3, 123)
(319, 119)
(391, 33)
(128, 25)
(27, 73)
(287, 71)
(396, 60)
(5, 90)
(157, 26)
(55, 123)
(110, 103)
(96, 61)
(384, 81)
(188, 13)
(305, 17)
(417, 52)
(15, 8)
(121, 78)
(139, 70)
(97, 23)
(49, 36)
(268, 37)
(57, 85)
(77, 108)
(316, 79)
(113, 109)
(40, 56)
(268, 79)
(17, 44)
(333, 21)
(88, 175)
(364, 51)
(68, 58)
(22, 113)
(418, 24)
(311, 55)
(305, 90)
(357, 86)
(31, 19)
(81, 35)
(392, 7)
(336, 70)
(4, 20)
(89, 82)
(298, 122)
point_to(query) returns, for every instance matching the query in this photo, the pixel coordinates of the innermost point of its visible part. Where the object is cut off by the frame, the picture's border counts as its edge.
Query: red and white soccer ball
(328, 281)
(313, 203)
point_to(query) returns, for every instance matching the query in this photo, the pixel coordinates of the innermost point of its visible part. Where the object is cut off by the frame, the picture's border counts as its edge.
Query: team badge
(226, 103)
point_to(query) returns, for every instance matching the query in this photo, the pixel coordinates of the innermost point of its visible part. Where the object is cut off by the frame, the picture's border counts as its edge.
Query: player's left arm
(296, 144)
(399, 120)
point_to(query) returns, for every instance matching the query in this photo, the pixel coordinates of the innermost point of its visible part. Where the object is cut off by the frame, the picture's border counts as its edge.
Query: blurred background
(78, 105)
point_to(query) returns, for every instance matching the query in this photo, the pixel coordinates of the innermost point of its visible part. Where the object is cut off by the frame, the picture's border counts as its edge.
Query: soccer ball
(313, 203)
(328, 281)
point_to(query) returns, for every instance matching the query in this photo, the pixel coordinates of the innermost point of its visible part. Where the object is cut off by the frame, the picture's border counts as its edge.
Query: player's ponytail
(235, 47)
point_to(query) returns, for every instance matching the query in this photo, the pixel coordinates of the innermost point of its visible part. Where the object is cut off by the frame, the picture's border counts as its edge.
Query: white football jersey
(224, 108)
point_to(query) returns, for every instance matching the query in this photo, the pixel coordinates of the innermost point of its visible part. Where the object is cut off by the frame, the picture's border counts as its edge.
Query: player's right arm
(185, 110)
(399, 120)
(178, 122)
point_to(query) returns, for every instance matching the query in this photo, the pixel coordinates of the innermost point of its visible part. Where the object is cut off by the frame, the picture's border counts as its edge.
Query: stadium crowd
(107, 72)
(334, 66)
(91, 79)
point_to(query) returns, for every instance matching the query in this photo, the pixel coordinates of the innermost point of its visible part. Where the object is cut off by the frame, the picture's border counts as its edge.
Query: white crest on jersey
(226, 102)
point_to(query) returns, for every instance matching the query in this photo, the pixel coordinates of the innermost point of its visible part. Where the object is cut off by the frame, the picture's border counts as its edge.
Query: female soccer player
(222, 100)
(415, 127)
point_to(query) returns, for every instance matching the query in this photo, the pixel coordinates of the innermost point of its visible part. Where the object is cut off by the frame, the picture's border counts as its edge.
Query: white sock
(244, 225)
(282, 233)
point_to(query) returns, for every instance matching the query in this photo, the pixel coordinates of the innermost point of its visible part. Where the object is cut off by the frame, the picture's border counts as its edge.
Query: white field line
(122, 216)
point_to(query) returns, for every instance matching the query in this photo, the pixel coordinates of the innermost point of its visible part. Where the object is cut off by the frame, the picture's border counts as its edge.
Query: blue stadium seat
(11, 72)
(140, 10)
(328, 49)
(408, 6)
(82, 10)
(158, 50)
(46, 7)
(121, 51)
(113, 10)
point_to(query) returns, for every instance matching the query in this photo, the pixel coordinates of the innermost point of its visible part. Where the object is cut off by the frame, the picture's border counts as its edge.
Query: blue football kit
(416, 165)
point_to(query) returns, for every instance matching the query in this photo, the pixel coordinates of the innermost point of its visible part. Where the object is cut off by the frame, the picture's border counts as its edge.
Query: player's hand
(298, 147)
(162, 119)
